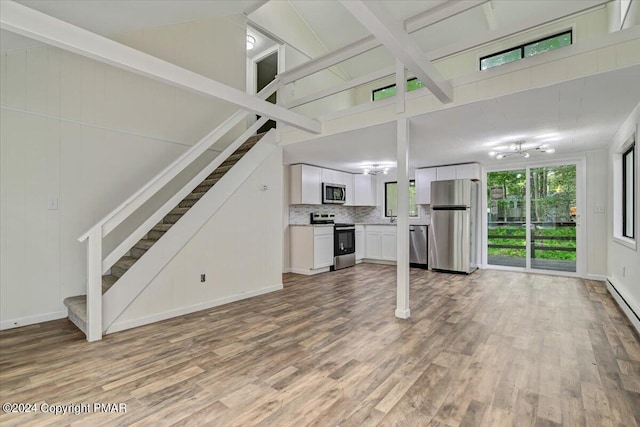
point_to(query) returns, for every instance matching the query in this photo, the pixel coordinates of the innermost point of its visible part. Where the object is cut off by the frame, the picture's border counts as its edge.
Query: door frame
(581, 218)
(252, 72)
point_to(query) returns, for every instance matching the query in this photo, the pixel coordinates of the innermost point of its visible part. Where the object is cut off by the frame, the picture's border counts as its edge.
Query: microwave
(333, 193)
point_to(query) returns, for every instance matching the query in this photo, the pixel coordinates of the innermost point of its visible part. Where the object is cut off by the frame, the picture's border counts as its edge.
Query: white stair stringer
(116, 300)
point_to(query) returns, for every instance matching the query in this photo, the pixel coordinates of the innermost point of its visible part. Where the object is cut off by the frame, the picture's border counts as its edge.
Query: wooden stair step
(108, 281)
(77, 305)
(122, 265)
(77, 309)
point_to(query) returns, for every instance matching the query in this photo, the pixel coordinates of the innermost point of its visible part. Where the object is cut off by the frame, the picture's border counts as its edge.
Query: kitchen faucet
(392, 219)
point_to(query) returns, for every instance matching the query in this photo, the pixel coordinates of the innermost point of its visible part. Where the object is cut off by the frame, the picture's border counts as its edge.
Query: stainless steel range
(344, 240)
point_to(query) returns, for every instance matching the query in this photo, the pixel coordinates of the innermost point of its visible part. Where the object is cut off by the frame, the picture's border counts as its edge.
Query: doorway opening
(266, 71)
(532, 218)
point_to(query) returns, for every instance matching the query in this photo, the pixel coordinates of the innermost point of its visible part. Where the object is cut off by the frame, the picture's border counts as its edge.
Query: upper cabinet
(468, 171)
(364, 190)
(425, 176)
(305, 187)
(423, 185)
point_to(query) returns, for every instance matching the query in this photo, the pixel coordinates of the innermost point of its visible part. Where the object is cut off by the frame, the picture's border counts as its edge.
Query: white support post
(401, 86)
(94, 285)
(402, 272)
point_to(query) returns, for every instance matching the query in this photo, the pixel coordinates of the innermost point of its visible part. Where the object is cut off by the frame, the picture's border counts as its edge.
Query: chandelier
(516, 149)
(375, 170)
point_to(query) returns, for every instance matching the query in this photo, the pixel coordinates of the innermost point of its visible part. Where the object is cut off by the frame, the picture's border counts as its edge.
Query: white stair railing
(95, 264)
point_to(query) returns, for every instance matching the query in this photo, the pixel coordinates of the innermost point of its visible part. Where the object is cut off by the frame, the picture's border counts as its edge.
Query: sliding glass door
(532, 218)
(506, 236)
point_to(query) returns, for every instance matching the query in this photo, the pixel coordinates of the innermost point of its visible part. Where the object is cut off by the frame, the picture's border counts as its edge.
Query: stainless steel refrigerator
(453, 229)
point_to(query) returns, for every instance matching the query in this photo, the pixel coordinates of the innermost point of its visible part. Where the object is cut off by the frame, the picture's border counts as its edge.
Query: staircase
(77, 305)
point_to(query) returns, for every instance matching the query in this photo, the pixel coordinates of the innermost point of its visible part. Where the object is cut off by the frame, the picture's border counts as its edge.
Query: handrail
(144, 228)
(115, 217)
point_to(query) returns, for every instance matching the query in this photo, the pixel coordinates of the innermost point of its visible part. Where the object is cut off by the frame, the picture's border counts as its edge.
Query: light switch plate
(52, 203)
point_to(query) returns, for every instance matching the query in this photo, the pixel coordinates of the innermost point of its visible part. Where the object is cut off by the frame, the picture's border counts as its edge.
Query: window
(526, 50)
(628, 193)
(391, 199)
(387, 91)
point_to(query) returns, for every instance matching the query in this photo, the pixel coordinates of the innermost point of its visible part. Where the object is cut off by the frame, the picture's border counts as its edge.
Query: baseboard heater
(625, 303)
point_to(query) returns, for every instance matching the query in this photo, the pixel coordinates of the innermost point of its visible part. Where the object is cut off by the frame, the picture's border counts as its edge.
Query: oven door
(344, 241)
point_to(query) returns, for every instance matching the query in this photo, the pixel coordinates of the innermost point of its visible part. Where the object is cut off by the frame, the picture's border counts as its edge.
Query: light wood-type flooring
(490, 349)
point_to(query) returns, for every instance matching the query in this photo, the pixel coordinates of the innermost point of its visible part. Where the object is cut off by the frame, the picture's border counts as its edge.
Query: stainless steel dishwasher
(418, 246)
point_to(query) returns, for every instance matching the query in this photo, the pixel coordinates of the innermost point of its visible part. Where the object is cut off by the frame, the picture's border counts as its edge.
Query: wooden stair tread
(77, 305)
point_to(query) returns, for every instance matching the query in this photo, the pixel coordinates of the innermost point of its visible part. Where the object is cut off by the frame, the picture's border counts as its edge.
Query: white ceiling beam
(27, 22)
(393, 36)
(490, 15)
(568, 8)
(439, 13)
(429, 17)
(329, 59)
(349, 84)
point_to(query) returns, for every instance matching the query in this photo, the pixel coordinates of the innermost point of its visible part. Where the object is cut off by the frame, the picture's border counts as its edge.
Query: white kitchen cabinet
(323, 248)
(468, 171)
(424, 177)
(373, 243)
(445, 172)
(389, 244)
(364, 190)
(331, 176)
(305, 186)
(311, 249)
(360, 246)
(380, 241)
(347, 179)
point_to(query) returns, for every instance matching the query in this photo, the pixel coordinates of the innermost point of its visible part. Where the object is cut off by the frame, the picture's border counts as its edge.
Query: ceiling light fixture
(251, 42)
(375, 170)
(516, 149)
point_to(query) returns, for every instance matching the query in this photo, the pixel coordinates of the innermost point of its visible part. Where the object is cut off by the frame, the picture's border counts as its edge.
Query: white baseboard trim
(379, 261)
(599, 277)
(32, 320)
(117, 327)
(310, 272)
(625, 303)
(403, 314)
(286, 270)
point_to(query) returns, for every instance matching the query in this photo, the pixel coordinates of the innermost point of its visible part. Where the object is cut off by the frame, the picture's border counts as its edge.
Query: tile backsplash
(300, 214)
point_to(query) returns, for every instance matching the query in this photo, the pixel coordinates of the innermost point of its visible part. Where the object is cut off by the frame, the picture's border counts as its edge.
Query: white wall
(281, 19)
(239, 249)
(286, 182)
(623, 262)
(321, 80)
(595, 221)
(585, 26)
(89, 135)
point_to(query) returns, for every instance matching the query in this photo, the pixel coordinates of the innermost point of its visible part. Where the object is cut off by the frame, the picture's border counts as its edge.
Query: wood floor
(491, 349)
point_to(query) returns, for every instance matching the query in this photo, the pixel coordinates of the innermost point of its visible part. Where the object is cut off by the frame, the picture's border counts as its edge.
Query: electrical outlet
(203, 277)
(598, 209)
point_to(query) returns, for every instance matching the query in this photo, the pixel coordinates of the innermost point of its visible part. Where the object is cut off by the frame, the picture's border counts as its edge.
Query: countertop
(357, 223)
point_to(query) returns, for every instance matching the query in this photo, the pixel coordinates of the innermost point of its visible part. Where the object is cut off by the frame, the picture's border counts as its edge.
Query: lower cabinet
(311, 249)
(360, 242)
(323, 249)
(380, 241)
